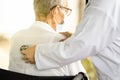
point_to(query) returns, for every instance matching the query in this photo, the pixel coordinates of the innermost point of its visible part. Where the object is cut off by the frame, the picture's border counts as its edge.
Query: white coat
(38, 33)
(98, 36)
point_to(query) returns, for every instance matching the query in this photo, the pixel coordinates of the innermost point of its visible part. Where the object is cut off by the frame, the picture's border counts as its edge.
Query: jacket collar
(43, 25)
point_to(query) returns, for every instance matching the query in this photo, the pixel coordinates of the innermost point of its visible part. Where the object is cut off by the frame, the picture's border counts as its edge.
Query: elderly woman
(48, 14)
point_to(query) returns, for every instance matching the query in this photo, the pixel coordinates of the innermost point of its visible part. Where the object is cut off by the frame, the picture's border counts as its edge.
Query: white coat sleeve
(94, 33)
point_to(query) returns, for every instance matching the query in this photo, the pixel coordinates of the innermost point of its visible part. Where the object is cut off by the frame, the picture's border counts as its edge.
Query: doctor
(98, 36)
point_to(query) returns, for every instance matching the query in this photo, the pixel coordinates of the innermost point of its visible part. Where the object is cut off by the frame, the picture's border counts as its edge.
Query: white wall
(15, 15)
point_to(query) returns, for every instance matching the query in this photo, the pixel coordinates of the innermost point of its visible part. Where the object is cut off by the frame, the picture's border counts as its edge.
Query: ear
(55, 11)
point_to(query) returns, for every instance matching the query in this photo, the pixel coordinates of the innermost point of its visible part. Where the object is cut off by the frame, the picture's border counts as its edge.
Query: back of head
(42, 7)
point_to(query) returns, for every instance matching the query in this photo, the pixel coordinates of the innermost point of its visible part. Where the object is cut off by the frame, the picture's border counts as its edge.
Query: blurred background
(18, 14)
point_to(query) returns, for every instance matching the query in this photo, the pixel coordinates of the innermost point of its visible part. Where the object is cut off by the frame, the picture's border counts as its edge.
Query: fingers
(31, 62)
(23, 52)
(27, 60)
(62, 40)
(24, 58)
(66, 34)
(28, 53)
(23, 47)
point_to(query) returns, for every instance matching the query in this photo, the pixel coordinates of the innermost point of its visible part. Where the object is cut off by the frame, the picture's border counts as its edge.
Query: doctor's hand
(66, 34)
(28, 53)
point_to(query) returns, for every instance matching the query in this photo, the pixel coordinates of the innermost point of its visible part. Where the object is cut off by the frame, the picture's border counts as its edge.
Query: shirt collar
(43, 25)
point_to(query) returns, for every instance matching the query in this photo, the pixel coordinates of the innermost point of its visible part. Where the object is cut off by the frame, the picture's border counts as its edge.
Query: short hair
(43, 6)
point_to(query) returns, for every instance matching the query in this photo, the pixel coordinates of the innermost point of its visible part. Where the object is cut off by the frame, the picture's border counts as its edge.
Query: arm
(89, 39)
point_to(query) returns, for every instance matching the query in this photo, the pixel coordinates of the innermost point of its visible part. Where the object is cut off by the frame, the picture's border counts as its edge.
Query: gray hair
(43, 6)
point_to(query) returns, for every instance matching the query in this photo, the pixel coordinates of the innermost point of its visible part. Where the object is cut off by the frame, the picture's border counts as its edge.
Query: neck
(52, 24)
